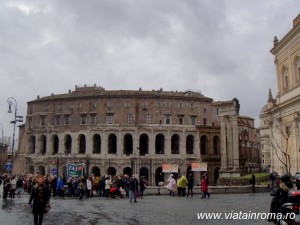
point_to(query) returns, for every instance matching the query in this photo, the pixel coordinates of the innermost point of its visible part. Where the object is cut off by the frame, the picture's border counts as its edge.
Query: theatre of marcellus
(120, 132)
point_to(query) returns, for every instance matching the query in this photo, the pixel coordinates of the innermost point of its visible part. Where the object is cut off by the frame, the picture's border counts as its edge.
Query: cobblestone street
(161, 209)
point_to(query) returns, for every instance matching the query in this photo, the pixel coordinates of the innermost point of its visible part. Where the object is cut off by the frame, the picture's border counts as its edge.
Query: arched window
(144, 144)
(175, 144)
(128, 144)
(285, 81)
(43, 144)
(190, 144)
(68, 144)
(55, 141)
(97, 144)
(159, 144)
(82, 144)
(32, 143)
(203, 145)
(112, 144)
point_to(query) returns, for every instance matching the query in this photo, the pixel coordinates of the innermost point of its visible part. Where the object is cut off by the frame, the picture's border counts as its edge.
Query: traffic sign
(53, 171)
(8, 166)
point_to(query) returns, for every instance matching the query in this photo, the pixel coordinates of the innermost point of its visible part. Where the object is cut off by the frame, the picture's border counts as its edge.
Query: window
(192, 105)
(110, 118)
(168, 105)
(93, 119)
(180, 105)
(129, 118)
(167, 119)
(94, 105)
(60, 107)
(204, 121)
(57, 120)
(29, 123)
(284, 78)
(67, 119)
(297, 69)
(83, 119)
(204, 110)
(180, 119)
(127, 104)
(148, 118)
(43, 121)
(109, 104)
(158, 104)
(145, 105)
(193, 120)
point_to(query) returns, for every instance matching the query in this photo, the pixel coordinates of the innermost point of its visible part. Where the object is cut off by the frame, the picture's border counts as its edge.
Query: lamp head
(9, 108)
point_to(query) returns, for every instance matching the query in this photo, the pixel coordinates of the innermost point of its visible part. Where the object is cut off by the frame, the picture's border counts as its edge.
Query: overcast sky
(218, 47)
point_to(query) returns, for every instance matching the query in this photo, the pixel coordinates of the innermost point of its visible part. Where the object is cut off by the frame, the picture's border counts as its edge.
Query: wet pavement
(152, 209)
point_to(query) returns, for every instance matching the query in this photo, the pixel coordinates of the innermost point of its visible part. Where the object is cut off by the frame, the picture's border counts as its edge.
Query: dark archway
(144, 172)
(43, 142)
(31, 170)
(32, 144)
(96, 171)
(216, 145)
(203, 145)
(112, 144)
(144, 144)
(189, 171)
(159, 144)
(96, 144)
(111, 171)
(41, 170)
(128, 144)
(128, 171)
(216, 175)
(175, 144)
(159, 176)
(68, 144)
(82, 144)
(55, 140)
(190, 144)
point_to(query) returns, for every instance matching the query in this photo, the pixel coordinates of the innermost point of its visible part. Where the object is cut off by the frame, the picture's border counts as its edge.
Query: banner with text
(170, 168)
(199, 167)
(75, 170)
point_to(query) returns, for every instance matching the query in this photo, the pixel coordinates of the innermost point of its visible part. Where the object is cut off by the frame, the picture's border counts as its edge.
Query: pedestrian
(40, 197)
(204, 187)
(107, 185)
(88, 187)
(81, 188)
(133, 188)
(190, 185)
(54, 186)
(142, 187)
(253, 181)
(182, 183)
(6, 187)
(101, 187)
(126, 182)
(19, 185)
(60, 187)
(12, 189)
(171, 186)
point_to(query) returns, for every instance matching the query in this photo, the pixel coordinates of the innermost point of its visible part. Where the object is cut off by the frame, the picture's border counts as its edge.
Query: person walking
(82, 188)
(253, 181)
(204, 187)
(133, 188)
(171, 186)
(142, 187)
(190, 185)
(40, 197)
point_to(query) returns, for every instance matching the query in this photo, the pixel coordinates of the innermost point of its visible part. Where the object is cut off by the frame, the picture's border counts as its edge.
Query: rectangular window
(94, 105)
(167, 119)
(67, 119)
(93, 119)
(109, 104)
(180, 105)
(110, 118)
(158, 104)
(204, 110)
(43, 121)
(180, 119)
(29, 123)
(127, 104)
(57, 120)
(129, 118)
(60, 107)
(148, 118)
(83, 119)
(145, 105)
(204, 121)
(192, 105)
(193, 120)
(168, 105)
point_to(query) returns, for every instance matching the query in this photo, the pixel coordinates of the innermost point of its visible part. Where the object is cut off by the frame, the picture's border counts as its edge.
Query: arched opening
(144, 143)
(216, 145)
(55, 140)
(32, 143)
(68, 144)
(96, 171)
(128, 144)
(41, 170)
(31, 170)
(65, 171)
(190, 144)
(144, 172)
(159, 144)
(159, 176)
(111, 171)
(128, 171)
(112, 144)
(175, 144)
(96, 144)
(43, 143)
(216, 175)
(203, 145)
(189, 171)
(82, 144)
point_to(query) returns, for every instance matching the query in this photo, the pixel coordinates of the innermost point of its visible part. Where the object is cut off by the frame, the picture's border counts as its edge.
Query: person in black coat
(190, 185)
(40, 197)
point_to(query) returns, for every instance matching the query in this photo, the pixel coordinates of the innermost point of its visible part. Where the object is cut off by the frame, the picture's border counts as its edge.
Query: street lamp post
(1, 132)
(12, 102)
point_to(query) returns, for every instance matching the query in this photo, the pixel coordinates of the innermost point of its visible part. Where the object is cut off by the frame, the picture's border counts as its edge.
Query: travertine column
(223, 145)
(235, 144)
